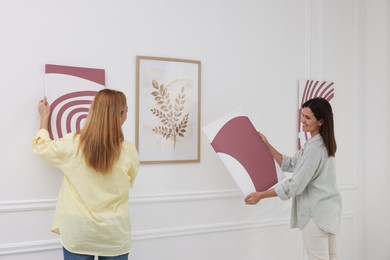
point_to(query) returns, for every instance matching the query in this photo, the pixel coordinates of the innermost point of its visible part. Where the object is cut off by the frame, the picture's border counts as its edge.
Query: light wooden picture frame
(168, 110)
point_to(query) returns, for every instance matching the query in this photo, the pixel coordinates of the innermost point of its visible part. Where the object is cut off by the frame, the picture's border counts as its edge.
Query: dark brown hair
(322, 110)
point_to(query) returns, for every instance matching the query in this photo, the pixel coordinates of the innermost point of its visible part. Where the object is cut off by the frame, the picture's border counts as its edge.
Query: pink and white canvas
(239, 146)
(309, 89)
(70, 91)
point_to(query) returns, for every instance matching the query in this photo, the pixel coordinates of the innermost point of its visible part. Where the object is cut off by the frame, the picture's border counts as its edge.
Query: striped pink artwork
(70, 91)
(309, 89)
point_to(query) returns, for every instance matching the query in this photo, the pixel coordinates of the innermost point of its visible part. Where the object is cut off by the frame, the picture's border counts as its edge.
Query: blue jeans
(72, 256)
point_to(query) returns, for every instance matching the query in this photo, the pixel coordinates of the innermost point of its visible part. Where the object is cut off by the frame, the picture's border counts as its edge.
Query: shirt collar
(317, 137)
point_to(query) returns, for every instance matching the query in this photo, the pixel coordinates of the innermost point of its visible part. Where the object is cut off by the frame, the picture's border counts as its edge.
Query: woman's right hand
(44, 112)
(277, 156)
(44, 108)
(264, 138)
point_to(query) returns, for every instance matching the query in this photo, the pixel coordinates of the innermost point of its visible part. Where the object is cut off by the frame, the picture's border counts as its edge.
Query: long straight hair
(322, 110)
(101, 138)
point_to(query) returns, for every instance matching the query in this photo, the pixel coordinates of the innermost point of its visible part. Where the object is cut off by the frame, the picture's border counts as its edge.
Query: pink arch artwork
(70, 91)
(309, 89)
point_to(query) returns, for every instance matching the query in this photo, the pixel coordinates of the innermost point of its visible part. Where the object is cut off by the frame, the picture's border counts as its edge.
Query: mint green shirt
(313, 187)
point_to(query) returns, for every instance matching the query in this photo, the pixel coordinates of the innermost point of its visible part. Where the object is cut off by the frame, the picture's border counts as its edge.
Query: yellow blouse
(92, 213)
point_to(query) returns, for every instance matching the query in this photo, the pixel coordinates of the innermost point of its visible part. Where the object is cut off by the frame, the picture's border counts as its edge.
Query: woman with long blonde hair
(99, 166)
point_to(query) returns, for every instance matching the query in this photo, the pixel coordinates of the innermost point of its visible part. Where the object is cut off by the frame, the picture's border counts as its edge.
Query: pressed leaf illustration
(173, 121)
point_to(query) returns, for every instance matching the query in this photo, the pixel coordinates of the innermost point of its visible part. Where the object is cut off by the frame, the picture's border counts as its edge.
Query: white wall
(376, 117)
(253, 53)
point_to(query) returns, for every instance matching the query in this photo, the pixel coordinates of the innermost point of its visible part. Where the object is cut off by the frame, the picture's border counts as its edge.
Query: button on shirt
(313, 187)
(92, 214)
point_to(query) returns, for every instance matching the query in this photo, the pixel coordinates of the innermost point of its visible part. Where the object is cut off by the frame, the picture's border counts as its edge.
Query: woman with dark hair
(316, 206)
(99, 166)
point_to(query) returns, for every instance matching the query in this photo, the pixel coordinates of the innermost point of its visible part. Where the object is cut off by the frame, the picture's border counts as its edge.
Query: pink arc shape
(61, 111)
(239, 139)
(83, 110)
(95, 75)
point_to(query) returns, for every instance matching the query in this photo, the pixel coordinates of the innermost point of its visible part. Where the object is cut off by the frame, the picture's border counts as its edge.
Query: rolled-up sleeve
(280, 191)
(287, 164)
(303, 173)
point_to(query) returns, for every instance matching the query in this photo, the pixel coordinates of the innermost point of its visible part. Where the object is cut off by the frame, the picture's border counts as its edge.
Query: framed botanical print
(168, 109)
